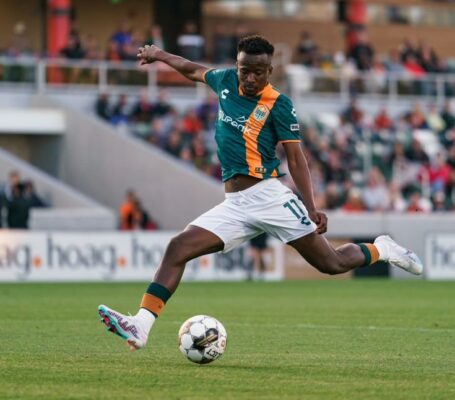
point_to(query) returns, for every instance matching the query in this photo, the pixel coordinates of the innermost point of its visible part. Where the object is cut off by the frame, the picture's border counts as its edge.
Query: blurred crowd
(189, 137)
(17, 197)
(362, 162)
(415, 57)
(358, 161)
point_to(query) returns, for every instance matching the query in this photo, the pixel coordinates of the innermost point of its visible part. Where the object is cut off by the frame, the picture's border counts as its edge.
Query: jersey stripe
(252, 130)
(290, 141)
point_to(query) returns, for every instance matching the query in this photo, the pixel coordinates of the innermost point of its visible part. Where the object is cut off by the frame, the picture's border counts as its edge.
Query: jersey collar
(259, 94)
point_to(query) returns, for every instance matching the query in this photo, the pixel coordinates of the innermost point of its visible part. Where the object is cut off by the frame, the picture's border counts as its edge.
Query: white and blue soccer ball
(202, 339)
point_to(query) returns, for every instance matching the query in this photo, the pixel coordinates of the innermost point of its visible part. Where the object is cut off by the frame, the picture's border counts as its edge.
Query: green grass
(359, 339)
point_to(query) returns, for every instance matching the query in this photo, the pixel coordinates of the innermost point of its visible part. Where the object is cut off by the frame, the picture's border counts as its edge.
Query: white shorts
(268, 206)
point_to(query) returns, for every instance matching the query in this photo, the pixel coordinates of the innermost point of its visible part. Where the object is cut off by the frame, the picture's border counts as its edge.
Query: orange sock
(153, 304)
(155, 298)
(370, 252)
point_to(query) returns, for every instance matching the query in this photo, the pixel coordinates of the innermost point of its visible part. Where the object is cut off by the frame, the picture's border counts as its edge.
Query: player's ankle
(146, 319)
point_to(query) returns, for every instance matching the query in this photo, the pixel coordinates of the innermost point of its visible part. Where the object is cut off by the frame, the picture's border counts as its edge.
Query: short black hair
(254, 45)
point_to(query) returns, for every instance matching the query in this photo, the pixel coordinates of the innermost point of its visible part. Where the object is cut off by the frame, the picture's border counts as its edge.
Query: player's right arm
(193, 71)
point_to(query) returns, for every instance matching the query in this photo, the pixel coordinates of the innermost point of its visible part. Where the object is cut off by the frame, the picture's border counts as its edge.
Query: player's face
(253, 72)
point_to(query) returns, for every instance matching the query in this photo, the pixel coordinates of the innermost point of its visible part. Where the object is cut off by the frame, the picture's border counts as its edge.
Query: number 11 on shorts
(298, 214)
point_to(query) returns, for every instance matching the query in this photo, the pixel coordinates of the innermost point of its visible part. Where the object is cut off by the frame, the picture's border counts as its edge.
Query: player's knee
(179, 250)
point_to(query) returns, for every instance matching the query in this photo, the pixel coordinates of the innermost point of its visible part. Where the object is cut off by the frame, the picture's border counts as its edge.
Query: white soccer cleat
(127, 327)
(398, 256)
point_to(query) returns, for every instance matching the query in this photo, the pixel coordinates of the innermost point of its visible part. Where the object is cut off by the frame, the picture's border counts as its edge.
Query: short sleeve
(285, 121)
(213, 78)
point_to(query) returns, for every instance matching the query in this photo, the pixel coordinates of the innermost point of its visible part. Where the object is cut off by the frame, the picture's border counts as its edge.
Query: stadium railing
(303, 81)
(45, 75)
(42, 75)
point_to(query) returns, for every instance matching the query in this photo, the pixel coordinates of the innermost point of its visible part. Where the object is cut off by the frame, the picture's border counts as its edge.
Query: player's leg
(320, 254)
(187, 245)
(221, 228)
(280, 213)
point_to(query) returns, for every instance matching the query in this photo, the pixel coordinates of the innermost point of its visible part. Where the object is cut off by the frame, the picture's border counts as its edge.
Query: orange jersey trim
(253, 128)
(290, 141)
(205, 73)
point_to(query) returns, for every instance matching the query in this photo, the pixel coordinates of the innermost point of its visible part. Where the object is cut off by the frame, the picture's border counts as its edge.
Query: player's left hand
(320, 219)
(148, 54)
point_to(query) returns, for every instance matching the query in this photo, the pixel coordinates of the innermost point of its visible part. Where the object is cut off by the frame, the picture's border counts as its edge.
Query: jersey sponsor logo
(224, 92)
(234, 123)
(260, 113)
(294, 127)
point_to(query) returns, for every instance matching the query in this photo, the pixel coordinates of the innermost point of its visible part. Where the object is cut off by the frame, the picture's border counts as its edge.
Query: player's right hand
(147, 54)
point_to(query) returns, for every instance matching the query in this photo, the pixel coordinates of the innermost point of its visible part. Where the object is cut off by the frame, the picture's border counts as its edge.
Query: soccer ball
(202, 339)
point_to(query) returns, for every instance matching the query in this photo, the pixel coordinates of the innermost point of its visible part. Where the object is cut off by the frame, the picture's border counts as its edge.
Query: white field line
(341, 327)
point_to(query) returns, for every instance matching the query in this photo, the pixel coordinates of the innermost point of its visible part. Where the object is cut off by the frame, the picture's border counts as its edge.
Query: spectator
(413, 68)
(191, 125)
(427, 58)
(439, 202)
(34, 201)
(434, 120)
(393, 65)
(73, 49)
(258, 246)
(354, 201)
(437, 173)
(122, 36)
(375, 194)
(397, 201)
(102, 107)
(208, 111)
(407, 49)
(155, 36)
(190, 43)
(113, 53)
(307, 50)
(120, 112)
(142, 110)
(126, 210)
(353, 114)
(129, 49)
(417, 203)
(139, 218)
(404, 172)
(362, 53)
(416, 118)
(222, 45)
(18, 208)
(14, 179)
(382, 120)
(174, 143)
(199, 152)
(161, 107)
(416, 153)
(447, 116)
(451, 157)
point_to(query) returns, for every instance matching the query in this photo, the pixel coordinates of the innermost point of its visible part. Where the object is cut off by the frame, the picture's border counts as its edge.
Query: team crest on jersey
(261, 112)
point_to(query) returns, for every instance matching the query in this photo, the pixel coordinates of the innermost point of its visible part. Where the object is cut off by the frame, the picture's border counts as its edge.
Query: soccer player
(254, 117)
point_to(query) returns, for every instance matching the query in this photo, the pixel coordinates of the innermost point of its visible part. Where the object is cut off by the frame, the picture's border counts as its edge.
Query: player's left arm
(298, 168)
(288, 132)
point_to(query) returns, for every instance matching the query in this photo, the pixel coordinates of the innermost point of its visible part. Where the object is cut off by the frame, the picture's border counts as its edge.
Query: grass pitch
(360, 339)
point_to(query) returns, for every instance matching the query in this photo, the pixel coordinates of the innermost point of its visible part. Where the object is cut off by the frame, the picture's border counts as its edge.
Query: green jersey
(249, 128)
